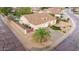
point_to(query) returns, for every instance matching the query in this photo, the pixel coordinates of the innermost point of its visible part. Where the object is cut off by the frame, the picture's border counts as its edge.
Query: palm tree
(41, 35)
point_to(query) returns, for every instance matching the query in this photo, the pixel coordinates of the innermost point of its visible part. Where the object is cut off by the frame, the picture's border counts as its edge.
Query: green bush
(13, 18)
(52, 15)
(22, 11)
(65, 20)
(5, 10)
(26, 26)
(41, 35)
(10, 16)
(44, 8)
(55, 28)
(58, 20)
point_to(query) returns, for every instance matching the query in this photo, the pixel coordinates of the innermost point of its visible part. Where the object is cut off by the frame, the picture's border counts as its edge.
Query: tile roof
(54, 10)
(39, 18)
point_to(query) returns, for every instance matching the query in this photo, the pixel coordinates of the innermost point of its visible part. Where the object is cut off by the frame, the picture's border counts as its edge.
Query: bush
(58, 20)
(52, 15)
(55, 27)
(27, 26)
(65, 20)
(44, 8)
(13, 18)
(22, 11)
(10, 16)
(5, 10)
(41, 35)
(64, 31)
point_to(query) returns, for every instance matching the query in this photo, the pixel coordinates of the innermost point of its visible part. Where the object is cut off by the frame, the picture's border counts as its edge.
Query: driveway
(8, 41)
(71, 43)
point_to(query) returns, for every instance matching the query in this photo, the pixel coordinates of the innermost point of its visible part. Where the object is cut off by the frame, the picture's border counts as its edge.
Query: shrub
(52, 15)
(44, 8)
(41, 35)
(27, 26)
(13, 18)
(5, 10)
(10, 16)
(57, 20)
(64, 31)
(55, 28)
(65, 20)
(22, 11)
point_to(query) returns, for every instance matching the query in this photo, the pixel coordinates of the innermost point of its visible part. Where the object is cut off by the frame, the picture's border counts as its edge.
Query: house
(53, 10)
(38, 20)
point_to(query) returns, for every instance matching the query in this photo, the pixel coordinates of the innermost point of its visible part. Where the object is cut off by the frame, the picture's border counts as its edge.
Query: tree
(42, 8)
(22, 11)
(41, 35)
(5, 10)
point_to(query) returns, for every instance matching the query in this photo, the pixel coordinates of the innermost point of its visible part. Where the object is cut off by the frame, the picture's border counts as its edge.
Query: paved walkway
(8, 41)
(71, 43)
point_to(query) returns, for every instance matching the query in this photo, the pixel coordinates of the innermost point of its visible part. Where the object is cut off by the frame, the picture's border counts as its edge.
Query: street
(8, 41)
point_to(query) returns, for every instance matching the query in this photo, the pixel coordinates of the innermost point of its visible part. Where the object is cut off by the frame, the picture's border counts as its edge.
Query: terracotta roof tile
(39, 18)
(54, 10)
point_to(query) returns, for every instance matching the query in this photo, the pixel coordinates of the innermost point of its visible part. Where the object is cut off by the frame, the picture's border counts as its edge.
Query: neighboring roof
(54, 10)
(39, 18)
(76, 8)
(36, 8)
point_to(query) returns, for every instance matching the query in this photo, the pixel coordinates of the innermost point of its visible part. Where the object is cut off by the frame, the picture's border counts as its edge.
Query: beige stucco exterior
(25, 21)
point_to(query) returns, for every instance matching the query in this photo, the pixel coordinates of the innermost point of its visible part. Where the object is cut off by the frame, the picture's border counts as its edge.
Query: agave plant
(41, 35)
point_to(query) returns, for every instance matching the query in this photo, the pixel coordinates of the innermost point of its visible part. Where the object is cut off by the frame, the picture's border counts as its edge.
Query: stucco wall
(44, 25)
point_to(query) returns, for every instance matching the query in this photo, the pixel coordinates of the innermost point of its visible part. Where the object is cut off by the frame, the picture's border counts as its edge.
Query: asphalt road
(8, 41)
(71, 43)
